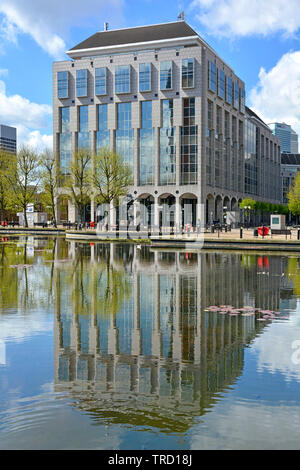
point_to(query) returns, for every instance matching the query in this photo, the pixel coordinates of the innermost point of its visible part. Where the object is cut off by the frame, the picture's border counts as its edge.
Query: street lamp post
(249, 209)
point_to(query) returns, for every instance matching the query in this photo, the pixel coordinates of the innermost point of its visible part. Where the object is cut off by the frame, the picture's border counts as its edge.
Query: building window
(145, 77)
(226, 149)
(235, 96)
(81, 83)
(242, 100)
(122, 79)
(102, 134)
(187, 73)
(212, 77)
(167, 145)
(189, 143)
(221, 84)
(218, 148)
(100, 81)
(83, 134)
(241, 156)
(63, 84)
(65, 141)
(209, 146)
(166, 75)
(146, 145)
(233, 153)
(250, 158)
(124, 133)
(229, 90)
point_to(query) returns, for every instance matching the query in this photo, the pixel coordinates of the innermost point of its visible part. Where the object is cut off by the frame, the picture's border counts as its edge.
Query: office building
(290, 165)
(288, 137)
(162, 98)
(294, 141)
(262, 160)
(8, 138)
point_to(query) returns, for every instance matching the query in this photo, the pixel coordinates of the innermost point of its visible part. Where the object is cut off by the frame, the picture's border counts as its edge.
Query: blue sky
(258, 38)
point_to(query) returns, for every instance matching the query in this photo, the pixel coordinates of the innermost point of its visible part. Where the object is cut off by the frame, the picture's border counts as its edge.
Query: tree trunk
(54, 216)
(25, 219)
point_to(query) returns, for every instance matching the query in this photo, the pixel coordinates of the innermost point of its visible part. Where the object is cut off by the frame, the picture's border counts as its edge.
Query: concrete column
(177, 339)
(156, 156)
(92, 210)
(72, 212)
(134, 375)
(177, 214)
(156, 213)
(112, 215)
(113, 337)
(136, 157)
(154, 377)
(111, 374)
(156, 334)
(136, 341)
(178, 155)
(200, 214)
(136, 213)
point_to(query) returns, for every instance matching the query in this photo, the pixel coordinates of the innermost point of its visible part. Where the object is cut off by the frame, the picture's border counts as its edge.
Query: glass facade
(167, 145)
(65, 141)
(145, 77)
(81, 83)
(221, 84)
(102, 134)
(212, 77)
(236, 96)
(189, 143)
(124, 133)
(83, 134)
(229, 90)
(100, 81)
(62, 84)
(250, 158)
(242, 100)
(166, 75)
(146, 145)
(122, 79)
(187, 73)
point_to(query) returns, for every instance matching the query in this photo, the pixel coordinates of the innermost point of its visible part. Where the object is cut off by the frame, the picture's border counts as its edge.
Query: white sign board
(277, 221)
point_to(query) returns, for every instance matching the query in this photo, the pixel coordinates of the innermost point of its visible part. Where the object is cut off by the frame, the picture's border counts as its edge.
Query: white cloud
(49, 22)
(27, 117)
(248, 17)
(279, 359)
(277, 94)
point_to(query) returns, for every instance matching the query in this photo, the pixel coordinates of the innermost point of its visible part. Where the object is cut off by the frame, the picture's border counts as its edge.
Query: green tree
(294, 196)
(79, 181)
(50, 181)
(24, 178)
(246, 204)
(111, 177)
(6, 194)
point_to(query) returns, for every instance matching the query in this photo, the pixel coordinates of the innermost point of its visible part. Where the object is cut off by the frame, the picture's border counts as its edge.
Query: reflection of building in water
(134, 344)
